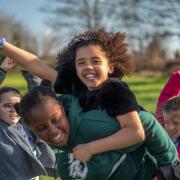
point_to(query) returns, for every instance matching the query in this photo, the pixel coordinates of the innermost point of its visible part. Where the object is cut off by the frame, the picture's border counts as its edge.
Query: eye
(55, 120)
(8, 105)
(41, 128)
(80, 62)
(176, 123)
(96, 60)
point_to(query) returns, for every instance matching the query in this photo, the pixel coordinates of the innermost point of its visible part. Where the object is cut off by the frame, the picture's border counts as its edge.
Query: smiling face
(92, 66)
(7, 111)
(49, 122)
(172, 123)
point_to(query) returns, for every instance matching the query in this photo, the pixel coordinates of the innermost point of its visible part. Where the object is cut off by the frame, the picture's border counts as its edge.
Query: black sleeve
(2, 75)
(118, 99)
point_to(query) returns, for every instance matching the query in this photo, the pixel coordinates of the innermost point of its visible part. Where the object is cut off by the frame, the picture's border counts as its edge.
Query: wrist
(91, 148)
(2, 42)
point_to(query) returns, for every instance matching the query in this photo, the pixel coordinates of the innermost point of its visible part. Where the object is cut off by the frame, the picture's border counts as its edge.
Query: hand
(82, 152)
(7, 64)
(155, 178)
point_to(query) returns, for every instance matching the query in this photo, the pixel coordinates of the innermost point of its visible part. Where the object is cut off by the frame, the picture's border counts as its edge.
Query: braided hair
(33, 99)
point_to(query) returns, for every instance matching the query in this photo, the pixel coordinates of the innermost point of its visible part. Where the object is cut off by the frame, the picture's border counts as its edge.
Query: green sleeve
(66, 101)
(157, 141)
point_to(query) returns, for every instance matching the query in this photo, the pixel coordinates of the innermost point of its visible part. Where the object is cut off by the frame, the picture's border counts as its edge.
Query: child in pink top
(171, 114)
(171, 88)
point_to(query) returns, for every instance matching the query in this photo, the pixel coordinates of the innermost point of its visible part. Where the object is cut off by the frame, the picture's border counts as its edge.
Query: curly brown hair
(111, 43)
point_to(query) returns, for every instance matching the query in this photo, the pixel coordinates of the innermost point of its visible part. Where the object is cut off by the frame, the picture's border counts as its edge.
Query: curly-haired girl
(86, 66)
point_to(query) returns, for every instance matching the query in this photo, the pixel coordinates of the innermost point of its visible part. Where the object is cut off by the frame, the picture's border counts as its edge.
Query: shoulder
(115, 87)
(69, 102)
(117, 98)
(67, 99)
(117, 90)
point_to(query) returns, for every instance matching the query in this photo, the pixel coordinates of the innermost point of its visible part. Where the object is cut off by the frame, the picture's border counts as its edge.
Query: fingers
(10, 61)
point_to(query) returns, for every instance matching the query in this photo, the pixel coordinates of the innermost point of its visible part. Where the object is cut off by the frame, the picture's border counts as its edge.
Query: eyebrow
(80, 59)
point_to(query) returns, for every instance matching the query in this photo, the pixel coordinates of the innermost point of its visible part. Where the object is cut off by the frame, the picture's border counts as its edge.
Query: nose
(53, 131)
(12, 109)
(89, 65)
(171, 127)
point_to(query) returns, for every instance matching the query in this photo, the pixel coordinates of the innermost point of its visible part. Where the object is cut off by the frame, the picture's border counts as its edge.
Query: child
(86, 66)
(18, 131)
(171, 113)
(170, 89)
(22, 153)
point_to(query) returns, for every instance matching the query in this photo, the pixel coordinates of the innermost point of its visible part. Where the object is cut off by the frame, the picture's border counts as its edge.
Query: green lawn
(146, 89)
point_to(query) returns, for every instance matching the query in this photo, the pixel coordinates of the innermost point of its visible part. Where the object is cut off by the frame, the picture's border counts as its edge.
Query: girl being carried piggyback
(89, 68)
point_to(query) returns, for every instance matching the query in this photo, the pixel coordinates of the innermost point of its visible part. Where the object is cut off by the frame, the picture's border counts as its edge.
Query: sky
(26, 12)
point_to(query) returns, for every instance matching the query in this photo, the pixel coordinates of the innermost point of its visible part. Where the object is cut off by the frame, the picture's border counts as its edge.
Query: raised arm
(28, 61)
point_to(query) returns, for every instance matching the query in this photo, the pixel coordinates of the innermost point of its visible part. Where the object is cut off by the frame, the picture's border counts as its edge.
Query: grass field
(146, 89)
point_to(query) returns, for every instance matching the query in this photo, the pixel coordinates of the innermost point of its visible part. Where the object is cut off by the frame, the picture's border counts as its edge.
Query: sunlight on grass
(146, 89)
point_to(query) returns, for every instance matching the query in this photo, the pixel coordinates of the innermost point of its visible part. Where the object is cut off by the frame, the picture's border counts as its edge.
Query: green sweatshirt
(138, 161)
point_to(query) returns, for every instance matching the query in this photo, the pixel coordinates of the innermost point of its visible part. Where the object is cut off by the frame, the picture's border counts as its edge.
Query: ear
(111, 68)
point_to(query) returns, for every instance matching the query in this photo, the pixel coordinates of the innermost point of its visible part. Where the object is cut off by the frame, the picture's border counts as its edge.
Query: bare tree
(16, 33)
(140, 19)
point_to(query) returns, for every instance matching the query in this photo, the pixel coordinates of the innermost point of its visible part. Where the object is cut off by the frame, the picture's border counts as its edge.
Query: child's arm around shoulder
(131, 131)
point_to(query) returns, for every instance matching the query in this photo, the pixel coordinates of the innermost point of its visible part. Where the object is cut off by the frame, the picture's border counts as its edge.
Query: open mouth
(13, 116)
(90, 76)
(58, 138)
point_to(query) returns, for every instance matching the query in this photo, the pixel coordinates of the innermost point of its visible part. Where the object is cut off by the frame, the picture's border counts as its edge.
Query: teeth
(90, 76)
(13, 116)
(58, 136)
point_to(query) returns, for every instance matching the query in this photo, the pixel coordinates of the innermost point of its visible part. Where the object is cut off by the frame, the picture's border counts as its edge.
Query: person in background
(171, 114)
(23, 155)
(170, 89)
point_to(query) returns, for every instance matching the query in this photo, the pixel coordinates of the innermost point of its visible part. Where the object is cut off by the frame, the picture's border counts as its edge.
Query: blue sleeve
(2, 75)
(31, 80)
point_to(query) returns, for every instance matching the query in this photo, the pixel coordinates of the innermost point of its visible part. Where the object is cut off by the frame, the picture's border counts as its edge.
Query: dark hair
(34, 98)
(7, 89)
(172, 104)
(112, 44)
